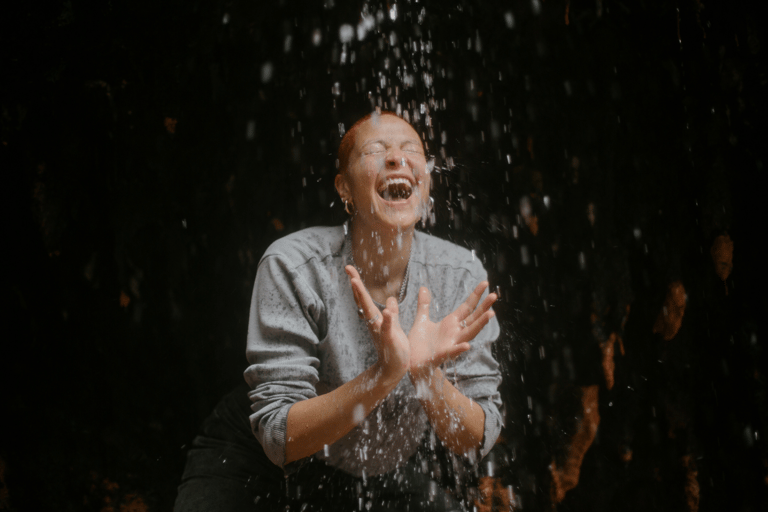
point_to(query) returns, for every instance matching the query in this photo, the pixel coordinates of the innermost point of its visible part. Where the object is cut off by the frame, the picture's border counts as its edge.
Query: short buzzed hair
(348, 141)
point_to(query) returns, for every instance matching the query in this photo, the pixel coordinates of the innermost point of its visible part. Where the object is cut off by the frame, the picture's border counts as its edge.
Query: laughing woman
(365, 342)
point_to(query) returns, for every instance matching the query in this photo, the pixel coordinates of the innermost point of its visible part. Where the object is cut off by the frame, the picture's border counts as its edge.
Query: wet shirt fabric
(305, 339)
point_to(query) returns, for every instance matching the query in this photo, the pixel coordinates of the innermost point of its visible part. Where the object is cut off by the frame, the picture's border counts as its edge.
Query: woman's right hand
(391, 342)
(432, 343)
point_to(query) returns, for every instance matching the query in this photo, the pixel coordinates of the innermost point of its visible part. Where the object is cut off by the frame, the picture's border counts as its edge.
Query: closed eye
(374, 148)
(414, 151)
(411, 147)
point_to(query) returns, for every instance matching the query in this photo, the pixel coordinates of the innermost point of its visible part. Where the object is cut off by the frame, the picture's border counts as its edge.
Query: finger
(362, 297)
(354, 283)
(470, 304)
(482, 308)
(424, 300)
(458, 350)
(387, 320)
(352, 271)
(473, 329)
(393, 308)
(390, 316)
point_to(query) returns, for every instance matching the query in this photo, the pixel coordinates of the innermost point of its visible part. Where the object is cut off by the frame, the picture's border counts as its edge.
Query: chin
(403, 214)
(391, 215)
(403, 222)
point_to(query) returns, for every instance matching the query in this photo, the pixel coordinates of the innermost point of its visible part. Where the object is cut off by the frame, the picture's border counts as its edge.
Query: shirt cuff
(492, 427)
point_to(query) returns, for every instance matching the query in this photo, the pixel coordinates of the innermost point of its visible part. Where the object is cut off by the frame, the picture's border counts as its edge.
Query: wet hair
(348, 141)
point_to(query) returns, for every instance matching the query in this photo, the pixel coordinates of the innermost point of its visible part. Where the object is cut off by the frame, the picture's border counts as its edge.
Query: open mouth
(396, 189)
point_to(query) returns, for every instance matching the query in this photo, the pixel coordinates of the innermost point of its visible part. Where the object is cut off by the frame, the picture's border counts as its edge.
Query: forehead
(385, 127)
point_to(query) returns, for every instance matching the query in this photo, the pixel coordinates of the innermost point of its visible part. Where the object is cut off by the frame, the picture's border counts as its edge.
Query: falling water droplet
(266, 72)
(346, 33)
(509, 19)
(393, 12)
(358, 414)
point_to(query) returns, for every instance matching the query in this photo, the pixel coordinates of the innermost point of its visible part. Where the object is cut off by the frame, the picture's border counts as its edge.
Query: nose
(395, 159)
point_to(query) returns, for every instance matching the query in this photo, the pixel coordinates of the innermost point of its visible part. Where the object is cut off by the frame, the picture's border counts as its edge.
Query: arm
(287, 320)
(458, 421)
(325, 419)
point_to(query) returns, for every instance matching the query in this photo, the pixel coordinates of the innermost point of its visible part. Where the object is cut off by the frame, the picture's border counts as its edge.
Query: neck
(382, 259)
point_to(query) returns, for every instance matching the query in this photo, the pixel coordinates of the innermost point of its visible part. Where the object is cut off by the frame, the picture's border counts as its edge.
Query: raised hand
(391, 343)
(433, 343)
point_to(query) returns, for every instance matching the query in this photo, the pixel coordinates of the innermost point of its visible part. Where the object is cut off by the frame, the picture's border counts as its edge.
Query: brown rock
(609, 365)
(170, 124)
(493, 496)
(133, 503)
(625, 454)
(671, 315)
(722, 257)
(691, 484)
(566, 477)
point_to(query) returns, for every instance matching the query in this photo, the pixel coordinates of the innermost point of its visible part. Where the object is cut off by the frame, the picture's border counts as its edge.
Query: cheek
(424, 184)
(370, 167)
(364, 181)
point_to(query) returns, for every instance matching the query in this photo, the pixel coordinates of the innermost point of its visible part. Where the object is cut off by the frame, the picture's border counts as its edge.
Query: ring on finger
(463, 324)
(373, 320)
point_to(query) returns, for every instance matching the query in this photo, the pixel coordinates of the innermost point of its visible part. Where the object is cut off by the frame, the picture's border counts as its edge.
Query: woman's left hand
(433, 343)
(391, 343)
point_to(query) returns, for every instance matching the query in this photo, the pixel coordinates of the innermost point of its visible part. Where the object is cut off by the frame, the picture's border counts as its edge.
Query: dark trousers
(228, 471)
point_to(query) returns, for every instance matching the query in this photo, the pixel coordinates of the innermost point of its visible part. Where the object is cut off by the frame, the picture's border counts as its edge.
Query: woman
(339, 318)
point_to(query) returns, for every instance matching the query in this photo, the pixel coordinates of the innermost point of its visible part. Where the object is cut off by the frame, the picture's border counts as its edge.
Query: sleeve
(476, 372)
(283, 333)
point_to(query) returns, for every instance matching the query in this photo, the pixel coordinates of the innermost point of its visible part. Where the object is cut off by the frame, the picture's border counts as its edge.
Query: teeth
(398, 181)
(396, 188)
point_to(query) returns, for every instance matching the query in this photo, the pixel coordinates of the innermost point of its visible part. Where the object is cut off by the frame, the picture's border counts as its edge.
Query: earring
(346, 207)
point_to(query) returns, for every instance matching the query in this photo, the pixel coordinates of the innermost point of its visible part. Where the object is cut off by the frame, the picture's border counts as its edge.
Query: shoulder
(307, 245)
(445, 255)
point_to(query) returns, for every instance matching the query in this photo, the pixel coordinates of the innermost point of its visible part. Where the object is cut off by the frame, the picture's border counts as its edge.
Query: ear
(342, 187)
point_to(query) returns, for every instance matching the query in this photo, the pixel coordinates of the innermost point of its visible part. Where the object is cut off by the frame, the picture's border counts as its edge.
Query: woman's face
(387, 177)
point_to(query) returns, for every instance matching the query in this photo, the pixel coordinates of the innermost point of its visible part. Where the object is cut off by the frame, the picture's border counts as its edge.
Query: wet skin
(387, 181)
(386, 147)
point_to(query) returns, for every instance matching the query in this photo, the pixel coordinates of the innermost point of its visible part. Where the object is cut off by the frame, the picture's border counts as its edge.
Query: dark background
(153, 150)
